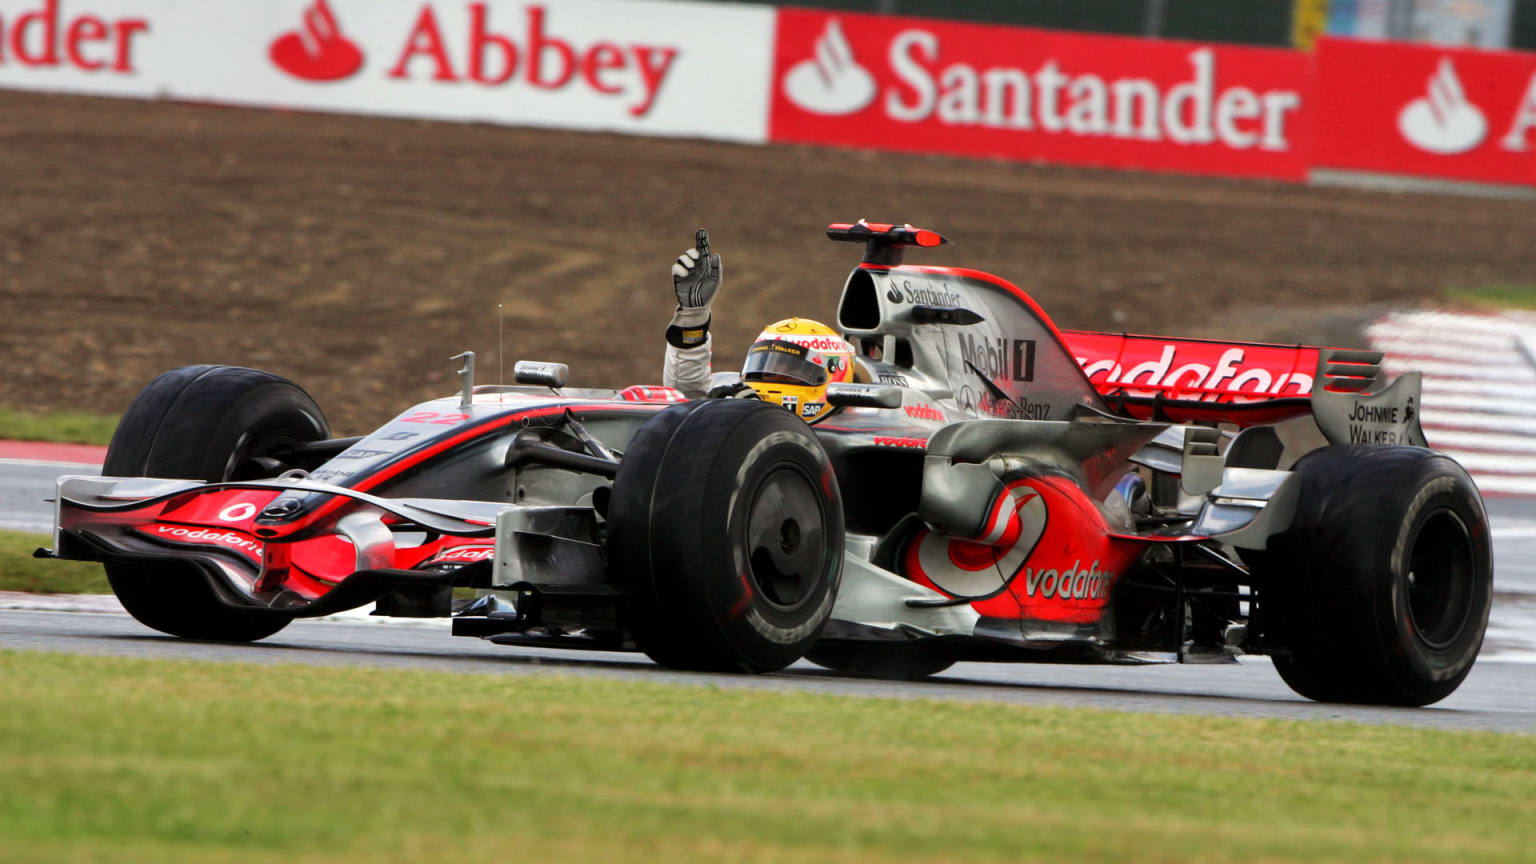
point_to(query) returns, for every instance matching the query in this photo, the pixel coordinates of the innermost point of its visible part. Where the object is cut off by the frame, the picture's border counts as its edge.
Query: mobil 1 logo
(1000, 358)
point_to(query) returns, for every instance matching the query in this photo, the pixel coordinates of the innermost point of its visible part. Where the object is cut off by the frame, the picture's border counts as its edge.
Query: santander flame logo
(832, 82)
(1443, 121)
(317, 51)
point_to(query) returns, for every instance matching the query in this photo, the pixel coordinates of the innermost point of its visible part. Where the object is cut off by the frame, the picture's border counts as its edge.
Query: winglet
(883, 242)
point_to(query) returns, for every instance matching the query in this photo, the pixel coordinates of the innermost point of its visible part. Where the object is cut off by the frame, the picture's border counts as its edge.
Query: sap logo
(362, 454)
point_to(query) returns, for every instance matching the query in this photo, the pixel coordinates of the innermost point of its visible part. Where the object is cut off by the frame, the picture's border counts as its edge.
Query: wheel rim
(1440, 582)
(252, 456)
(786, 539)
(250, 462)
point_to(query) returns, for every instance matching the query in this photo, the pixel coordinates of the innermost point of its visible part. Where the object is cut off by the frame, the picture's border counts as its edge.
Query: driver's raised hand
(696, 274)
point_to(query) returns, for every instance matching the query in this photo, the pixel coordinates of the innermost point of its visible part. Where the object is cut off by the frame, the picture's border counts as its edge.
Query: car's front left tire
(212, 423)
(726, 516)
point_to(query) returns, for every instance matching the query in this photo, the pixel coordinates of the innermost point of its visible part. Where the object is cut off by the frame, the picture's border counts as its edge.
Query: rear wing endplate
(1353, 403)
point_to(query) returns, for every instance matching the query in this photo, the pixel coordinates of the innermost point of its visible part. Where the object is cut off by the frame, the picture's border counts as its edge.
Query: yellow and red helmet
(793, 361)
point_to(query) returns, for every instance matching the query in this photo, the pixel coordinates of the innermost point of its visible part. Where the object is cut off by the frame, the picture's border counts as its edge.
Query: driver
(790, 364)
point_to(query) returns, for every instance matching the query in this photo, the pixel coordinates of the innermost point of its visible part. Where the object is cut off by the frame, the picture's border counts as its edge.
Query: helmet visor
(780, 362)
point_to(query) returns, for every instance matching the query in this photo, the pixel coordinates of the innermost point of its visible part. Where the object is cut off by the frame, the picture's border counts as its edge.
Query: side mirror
(540, 374)
(864, 396)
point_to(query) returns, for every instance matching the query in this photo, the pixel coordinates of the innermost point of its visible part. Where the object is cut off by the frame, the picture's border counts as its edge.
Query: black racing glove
(696, 277)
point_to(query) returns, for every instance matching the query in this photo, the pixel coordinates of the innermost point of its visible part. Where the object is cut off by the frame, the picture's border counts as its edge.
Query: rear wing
(1251, 383)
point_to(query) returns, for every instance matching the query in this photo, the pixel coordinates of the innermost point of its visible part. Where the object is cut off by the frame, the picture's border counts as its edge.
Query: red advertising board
(930, 86)
(1419, 109)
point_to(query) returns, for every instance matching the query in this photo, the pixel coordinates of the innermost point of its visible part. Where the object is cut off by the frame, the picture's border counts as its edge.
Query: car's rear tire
(726, 515)
(901, 661)
(1380, 591)
(208, 423)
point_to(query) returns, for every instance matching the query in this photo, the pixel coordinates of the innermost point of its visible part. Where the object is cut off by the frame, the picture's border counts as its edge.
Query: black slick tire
(726, 517)
(208, 423)
(1379, 593)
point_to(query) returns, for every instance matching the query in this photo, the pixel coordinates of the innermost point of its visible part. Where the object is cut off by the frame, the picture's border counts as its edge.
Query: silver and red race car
(992, 488)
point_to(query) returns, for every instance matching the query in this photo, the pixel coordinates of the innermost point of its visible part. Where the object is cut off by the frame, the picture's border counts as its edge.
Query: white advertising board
(654, 68)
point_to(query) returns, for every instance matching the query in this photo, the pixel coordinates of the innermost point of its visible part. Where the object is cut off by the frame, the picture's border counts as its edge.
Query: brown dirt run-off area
(355, 255)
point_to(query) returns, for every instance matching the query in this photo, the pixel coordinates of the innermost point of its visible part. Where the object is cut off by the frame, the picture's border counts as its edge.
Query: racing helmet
(793, 361)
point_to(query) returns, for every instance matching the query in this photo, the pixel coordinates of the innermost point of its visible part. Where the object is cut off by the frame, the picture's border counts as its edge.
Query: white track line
(1479, 404)
(1454, 421)
(84, 466)
(1483, 442)
(1408, 356)
(1504, 484)
(1431, 334)
(1454, 405)
(1469, 371)
(1449, 322)
(1506, 392)
(1496, 463)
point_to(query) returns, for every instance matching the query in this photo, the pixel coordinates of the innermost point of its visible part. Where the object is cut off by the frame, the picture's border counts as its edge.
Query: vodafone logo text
(1192, 369)
(1227, 372)
(929, 86)
(465, 554)
(207, 536)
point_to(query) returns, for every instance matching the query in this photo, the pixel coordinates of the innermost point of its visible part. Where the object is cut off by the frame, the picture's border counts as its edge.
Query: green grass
(1503, 295)
(109, 759)
(71, 427)
(19, 571)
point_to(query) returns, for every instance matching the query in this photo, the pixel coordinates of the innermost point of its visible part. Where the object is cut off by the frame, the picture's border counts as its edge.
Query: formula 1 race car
(990, 488)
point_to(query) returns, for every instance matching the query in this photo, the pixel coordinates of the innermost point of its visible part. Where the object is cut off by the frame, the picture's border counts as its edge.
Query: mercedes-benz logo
(283, 508)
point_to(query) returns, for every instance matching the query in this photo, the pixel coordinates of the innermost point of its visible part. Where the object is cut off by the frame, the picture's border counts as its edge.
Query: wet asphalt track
(1498, 695)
